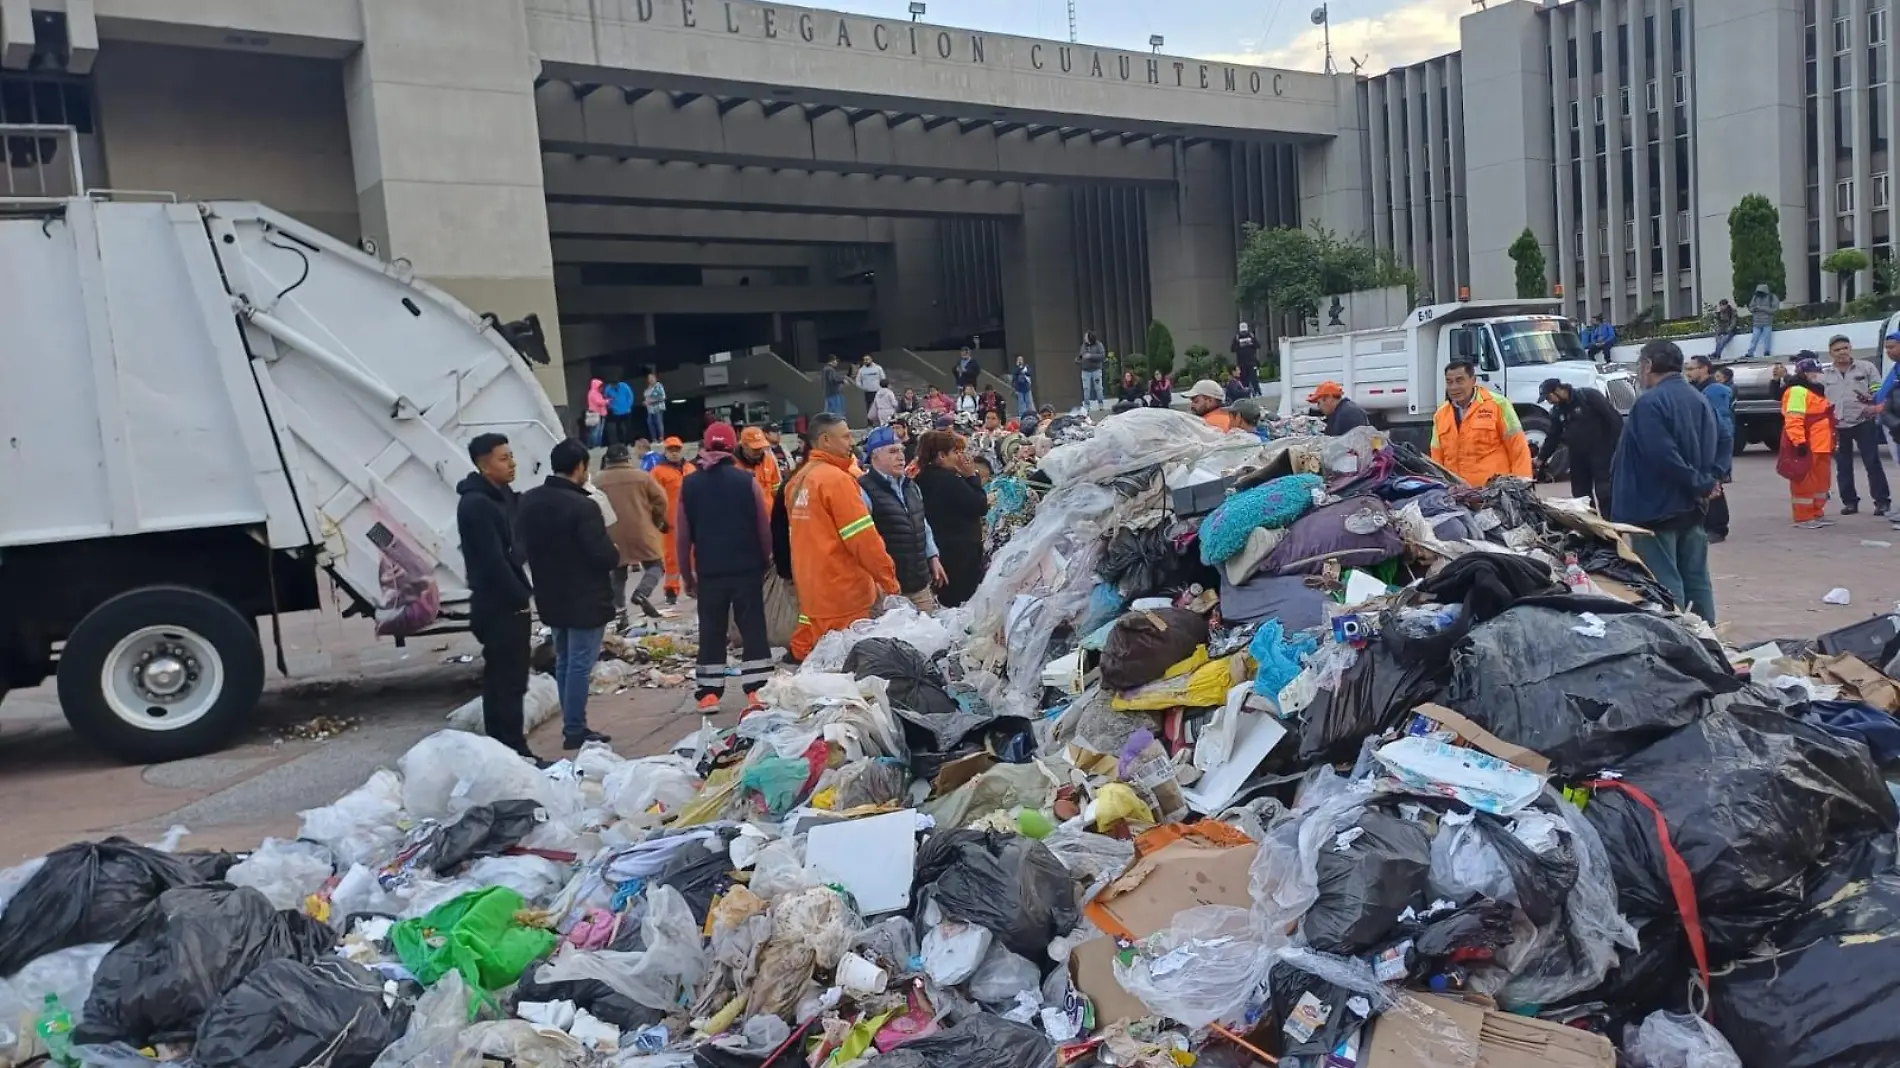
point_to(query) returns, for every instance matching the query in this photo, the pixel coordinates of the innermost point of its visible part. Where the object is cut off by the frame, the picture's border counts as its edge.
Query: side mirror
(1463, 345)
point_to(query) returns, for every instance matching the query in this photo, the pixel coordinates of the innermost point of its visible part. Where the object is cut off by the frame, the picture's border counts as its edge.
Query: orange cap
(753, 438)
(1326, 389)
(673, 443)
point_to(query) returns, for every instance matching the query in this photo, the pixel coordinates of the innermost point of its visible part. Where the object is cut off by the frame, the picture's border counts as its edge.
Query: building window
(1682, 86)
(1844, 196)
(1624, 102)
(1599, 109)
(1682, 225)
(1576, 116)
(1629, 233)
(1877, 26)
(1655, 233)
(1651, 97)
(1577, 245)
(1882, 190)
(1843, 35)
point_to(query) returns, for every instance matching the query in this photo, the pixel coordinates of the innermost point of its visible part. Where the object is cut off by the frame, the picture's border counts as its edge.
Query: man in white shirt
(870, 377)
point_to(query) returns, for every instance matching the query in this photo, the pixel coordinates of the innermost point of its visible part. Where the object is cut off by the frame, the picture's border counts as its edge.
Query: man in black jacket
(1586, 421)
(497, 586)
(897, 509)
(573, 560)
(724, 547)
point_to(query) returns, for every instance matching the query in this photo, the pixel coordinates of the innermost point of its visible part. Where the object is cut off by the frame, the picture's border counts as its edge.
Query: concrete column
(447, 154)
(1863, 149)
(1747, 114)
(1460, 173)
(1417, 131)
(1562, 93)
(1394, 83)
(1646, 205)
(1438, 203)
(1333, 174)
(1507, 97)
(1674, 235)
(1621, 307)
(909, 313)
(1379, 164)
(1041, 319)
(1191, 251)
(1829, 167)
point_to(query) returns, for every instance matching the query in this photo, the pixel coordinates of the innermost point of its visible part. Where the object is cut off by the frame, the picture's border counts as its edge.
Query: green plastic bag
(476, 935)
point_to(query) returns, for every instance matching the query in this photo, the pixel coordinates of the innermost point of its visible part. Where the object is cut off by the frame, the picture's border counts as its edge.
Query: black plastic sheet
(916, 692)
(1368, 874)
(1753, 799)
(590, 994)
(982, 1039)
(1008, 883)
(94, 892)
(197, 943)
(1531, 678)
(288, 1014)
(483, 831)
(1377, 692)
(1143, 563)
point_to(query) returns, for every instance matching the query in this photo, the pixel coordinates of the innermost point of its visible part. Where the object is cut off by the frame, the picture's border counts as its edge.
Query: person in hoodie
(596, 417)
(1703, 375)
(1761, 315)
(1246, 350)
(641, 520)
(967, 370)
(619, 412)
(884, 405)
(724, 544)
(1092, 357)
(498, 587)
(1583, 419)
(573, 561)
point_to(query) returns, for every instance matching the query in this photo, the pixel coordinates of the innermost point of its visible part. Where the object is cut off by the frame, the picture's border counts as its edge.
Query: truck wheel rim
(162, 678)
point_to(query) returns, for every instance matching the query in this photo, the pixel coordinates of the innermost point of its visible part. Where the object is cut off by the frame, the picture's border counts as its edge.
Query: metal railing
(39, 162)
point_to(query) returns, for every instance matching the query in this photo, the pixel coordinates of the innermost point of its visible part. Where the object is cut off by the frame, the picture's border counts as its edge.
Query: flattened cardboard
(1861, 680)
(1528, 759)
(1496, 1040)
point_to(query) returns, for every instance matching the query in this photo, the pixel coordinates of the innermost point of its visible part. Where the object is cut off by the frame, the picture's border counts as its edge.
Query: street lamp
(1155, 41)
(916, 10)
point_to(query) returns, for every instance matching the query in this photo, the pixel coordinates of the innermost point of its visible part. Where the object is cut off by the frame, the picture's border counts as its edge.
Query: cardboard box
(1483, 740)
(1859, 681)
(1176, 868)
(1487, 1038)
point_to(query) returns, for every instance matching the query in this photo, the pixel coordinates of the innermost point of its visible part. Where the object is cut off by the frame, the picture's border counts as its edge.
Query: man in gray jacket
(1092, 356)
(1761, 311)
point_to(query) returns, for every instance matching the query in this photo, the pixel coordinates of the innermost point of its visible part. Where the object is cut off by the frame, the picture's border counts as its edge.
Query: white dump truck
(1397, 373)
(207, 411)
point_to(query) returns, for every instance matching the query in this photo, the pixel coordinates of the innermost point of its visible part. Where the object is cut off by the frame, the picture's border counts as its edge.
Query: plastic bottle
(1575, 576)
(55, 1028)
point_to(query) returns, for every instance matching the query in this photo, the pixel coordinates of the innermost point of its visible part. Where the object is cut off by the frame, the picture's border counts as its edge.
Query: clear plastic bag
(1676, 1040)
(534, 878)
(540, 704)
(818, 919)
(450, 772)
(1002, 976)
(780, 869)
(1204, 968)
(661, 976)
(1577, 958)
(1464, 863)
(1285, 875)
(928, 634)
(663, 784)
(435, 1028)
(286, 872)
(1096, 857)
(892, 943)
(1132, 440)
(362, 826)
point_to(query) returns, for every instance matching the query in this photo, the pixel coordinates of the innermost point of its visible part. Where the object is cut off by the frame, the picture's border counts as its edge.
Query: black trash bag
(1826, 999)
(1654, 977)
(1485, 584)
(590, 994)
(1542, 881)
(191, 948)
(789, 1055)
(288, 1014)
(916, 691)
(1585, 703)
(1300, 1000)
(1602, 560)
(483, 831)
(700, 875)
(1364, 886)
(1008, 883)
(1144, 645)
(1143, 563)
(1377, 692)
(1753, 798)
(1473, 934)
(93, 892)
(982, 1039)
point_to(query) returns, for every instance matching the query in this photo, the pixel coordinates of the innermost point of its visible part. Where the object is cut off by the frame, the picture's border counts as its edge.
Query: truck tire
(160, 673)
(1536, 423)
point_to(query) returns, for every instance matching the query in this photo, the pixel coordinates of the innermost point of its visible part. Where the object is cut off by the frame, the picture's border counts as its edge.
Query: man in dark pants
(725, 544)
(573, 560)
(498, 587)
(1700, 371)
(1584, 419)
(1850, 385)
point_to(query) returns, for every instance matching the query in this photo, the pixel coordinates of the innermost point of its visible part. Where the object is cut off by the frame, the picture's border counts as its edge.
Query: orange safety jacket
(1488, 442)
(670, 476)
(1807, 418)
(839, 562)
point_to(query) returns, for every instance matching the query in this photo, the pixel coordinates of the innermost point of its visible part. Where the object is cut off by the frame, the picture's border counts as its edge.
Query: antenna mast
(1071, 21)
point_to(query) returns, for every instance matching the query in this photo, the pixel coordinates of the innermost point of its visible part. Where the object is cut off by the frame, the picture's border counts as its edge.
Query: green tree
(1160, 348)
(1198, 363)
(1844, 264)
(1532, 281)
(1754, 234)
(1293, 270)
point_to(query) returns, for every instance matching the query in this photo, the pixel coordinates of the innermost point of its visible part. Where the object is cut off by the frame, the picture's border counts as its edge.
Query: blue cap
(879, 438)
(1895, 336)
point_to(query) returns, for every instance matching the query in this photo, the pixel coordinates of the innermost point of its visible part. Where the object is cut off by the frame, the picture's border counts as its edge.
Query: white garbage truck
(207, 412)
(1397, 373)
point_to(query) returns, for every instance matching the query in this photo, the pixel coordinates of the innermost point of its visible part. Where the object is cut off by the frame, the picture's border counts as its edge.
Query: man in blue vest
(897, 509)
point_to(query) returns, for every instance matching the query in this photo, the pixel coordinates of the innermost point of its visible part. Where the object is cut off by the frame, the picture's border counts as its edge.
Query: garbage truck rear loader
(207, 410)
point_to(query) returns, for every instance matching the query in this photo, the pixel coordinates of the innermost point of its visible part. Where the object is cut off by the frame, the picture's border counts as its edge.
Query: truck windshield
(1538, 341)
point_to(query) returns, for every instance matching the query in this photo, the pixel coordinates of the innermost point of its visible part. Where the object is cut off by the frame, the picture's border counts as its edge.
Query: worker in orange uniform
(670, 472)
(755, 455)
(839, 562)
(1476, 434)
(1807, 441)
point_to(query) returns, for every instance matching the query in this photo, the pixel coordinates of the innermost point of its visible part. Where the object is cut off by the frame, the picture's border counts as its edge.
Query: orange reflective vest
(669, 476)
(769, 476)
(839, 562)
(1807, 418)
(1488, 442)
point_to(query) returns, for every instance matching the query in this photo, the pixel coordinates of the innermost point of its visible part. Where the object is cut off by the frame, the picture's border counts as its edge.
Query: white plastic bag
(541, 704)
(362, 826)
(780, 869)
(638, 785)
(1096, 857)
(435, 1027)
(1675, 1040)
(450, 772)
(534, 878)
(953, 951)
(286, 872)
(1002, 976)
(1204, 968)
(1464, 863)
(660, 977)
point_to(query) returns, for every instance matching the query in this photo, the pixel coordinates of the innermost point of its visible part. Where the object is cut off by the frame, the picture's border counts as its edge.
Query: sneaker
(789, 660)
(647, 607)
(1850, 509)
(1815, 524)
(1882, 509)
(709, 704)
(575, 741)
(672, 599)
(539, 763)
(752, 704)
(1717, 539)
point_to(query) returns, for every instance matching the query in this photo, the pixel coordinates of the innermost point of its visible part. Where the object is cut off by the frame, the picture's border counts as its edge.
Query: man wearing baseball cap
(839, 561)
(1584, 420)
(897, 509)
(1341, 413)
(671, 473)
(755, 456)
(1205, 399)
(724, 544)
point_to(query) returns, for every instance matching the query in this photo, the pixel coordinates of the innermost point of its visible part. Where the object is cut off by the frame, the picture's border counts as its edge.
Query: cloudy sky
(1277, 33)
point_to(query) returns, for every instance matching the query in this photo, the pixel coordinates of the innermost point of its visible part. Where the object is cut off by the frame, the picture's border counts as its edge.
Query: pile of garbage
(1296, 753)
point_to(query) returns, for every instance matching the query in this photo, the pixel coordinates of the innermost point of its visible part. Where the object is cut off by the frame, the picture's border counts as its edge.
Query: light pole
(916, 10)
(1322, 18)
